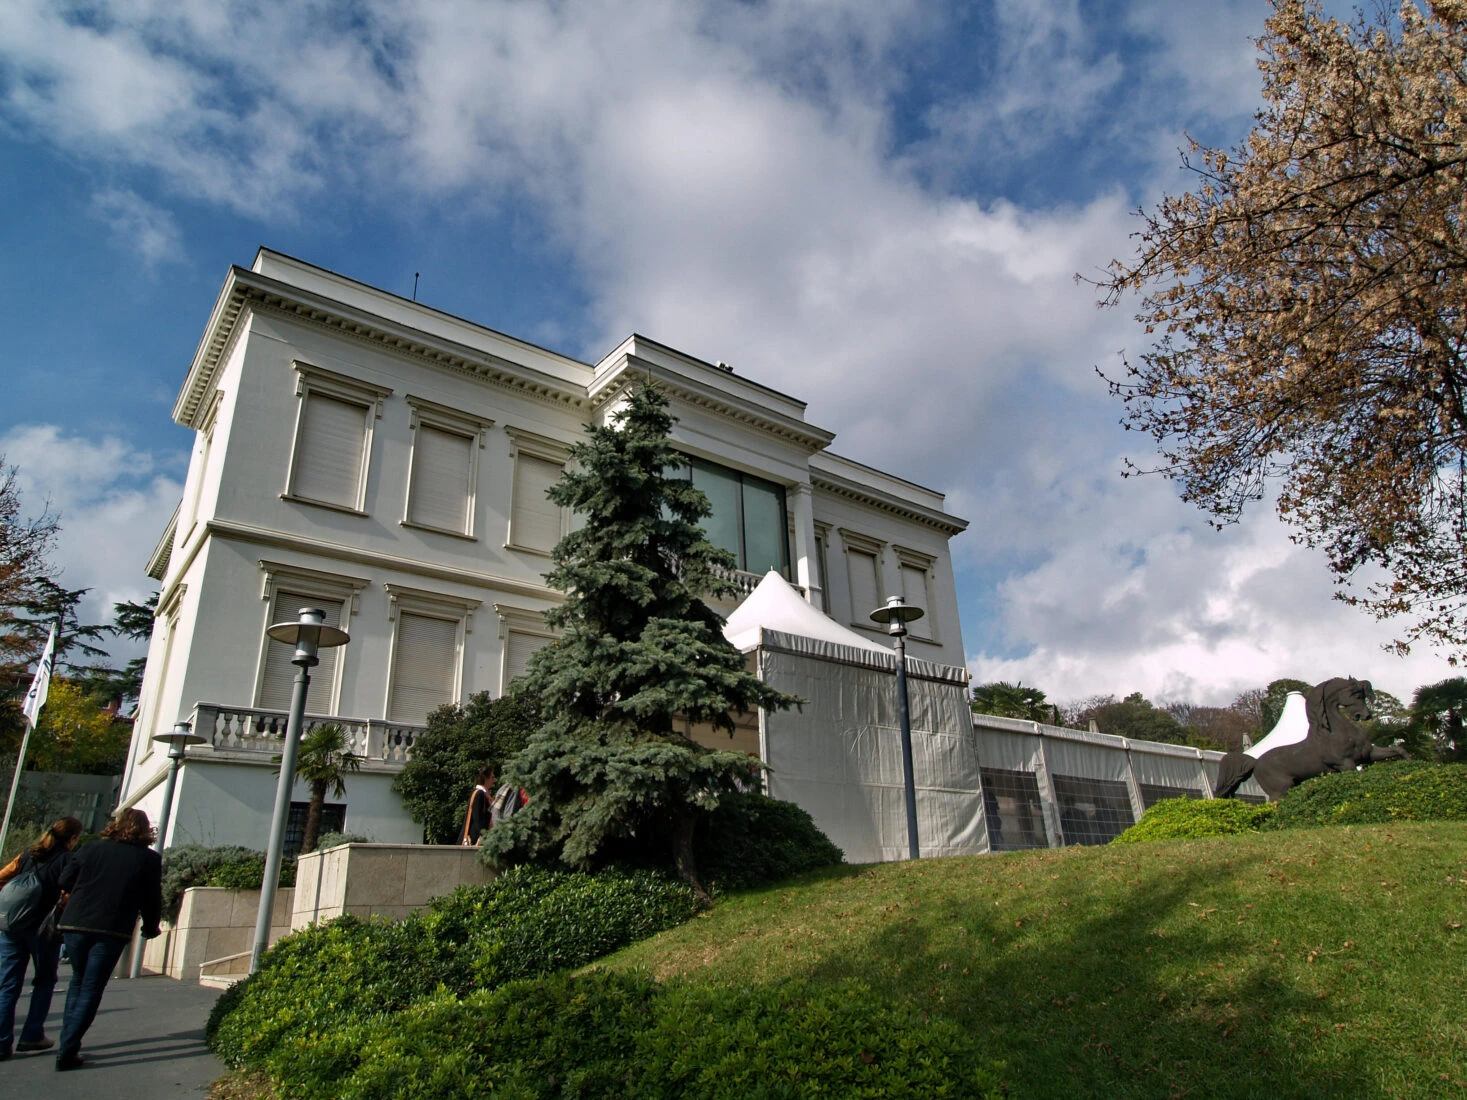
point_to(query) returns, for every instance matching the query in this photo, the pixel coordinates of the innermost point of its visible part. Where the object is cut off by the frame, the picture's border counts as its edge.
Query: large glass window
(1015, 815)
(748, 517)
(1092, 811)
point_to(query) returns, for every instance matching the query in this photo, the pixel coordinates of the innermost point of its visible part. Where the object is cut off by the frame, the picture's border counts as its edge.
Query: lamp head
(178, 739)
(896, 615)
(309, 633)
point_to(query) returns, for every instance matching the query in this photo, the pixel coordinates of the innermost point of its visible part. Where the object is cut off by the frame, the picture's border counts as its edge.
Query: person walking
(112, 881)
(38, 945)
(478, 817)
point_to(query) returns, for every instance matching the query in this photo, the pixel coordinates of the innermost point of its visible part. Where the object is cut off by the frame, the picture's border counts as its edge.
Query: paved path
(147, 1042)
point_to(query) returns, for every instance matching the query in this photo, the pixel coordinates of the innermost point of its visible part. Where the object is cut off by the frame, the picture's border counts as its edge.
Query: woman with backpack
(113, 881)
(35, 942)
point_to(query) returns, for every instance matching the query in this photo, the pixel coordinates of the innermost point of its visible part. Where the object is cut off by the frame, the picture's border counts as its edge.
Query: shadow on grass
(1137, 991)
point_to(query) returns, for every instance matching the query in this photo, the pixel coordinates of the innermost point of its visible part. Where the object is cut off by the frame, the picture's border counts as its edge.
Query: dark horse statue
(1336, 743)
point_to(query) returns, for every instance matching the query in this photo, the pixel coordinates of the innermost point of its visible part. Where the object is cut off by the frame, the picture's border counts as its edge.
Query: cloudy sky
(875, 205)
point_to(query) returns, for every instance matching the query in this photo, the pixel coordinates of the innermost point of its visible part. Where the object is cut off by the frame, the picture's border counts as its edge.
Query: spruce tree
(638, 648)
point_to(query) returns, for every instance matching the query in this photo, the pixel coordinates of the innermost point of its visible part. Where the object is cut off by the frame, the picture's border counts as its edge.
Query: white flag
(35, 699)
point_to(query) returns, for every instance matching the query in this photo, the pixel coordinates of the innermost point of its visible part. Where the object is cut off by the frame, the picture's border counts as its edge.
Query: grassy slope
(1319, 962)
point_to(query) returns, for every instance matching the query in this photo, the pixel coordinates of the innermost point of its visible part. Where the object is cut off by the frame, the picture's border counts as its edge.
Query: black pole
(905, 718)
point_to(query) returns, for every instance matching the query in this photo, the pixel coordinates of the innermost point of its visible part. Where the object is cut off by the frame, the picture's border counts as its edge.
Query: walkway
(147, 1042)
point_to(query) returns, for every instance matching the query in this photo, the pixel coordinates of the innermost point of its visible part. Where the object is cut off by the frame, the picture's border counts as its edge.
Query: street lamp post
(895, 616)
(178, 739)
(307, 634)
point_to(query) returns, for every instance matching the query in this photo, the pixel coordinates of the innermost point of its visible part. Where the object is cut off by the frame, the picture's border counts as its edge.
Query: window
(748, 517)
(287, 589)
(1152, 793)
(522, 633)
(1092, 811)
(1013, 811)
(445, 468)
(863, 570)
(916, 574)
(427, 649)
(333, 438)
(822, 540)
(199, 468)
(333, 820)
(536, 523)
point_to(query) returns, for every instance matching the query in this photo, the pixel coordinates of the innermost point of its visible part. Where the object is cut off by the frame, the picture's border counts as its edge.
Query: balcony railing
(249, 729)
(746, 582)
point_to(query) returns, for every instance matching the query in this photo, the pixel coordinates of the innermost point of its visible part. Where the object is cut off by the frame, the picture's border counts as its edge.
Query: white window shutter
(518, 649)
(440, 493)
(536, 522)
(865, 585)
(330, 451)
(279, 679)
(914, 591)
(423, 667)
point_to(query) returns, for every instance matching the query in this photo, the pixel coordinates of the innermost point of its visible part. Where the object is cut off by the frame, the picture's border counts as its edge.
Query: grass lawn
(1312, 963)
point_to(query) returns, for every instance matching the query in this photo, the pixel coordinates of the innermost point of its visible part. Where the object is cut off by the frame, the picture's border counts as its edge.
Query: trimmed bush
(335, 840)
(230, 866)
(525, 924)
(1406, 790)
(604, 1034)
(1191, 818)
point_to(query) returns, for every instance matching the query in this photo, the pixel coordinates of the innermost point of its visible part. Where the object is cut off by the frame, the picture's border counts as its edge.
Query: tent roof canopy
(776, 605)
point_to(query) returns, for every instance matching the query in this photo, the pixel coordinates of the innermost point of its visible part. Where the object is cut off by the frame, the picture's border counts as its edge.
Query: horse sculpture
(1335, 743)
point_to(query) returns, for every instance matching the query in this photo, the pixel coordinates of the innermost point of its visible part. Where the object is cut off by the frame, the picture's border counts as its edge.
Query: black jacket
(477, 819)
(111, 885)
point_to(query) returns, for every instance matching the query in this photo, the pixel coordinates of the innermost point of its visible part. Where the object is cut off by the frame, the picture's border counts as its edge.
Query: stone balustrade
(252, 730)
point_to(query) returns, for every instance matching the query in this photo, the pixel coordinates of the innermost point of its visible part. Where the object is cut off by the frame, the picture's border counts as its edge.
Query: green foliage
(436, 781)
(638, 647)
(333, 840)
(1437, 714)
(624, 1035)
(229, 866)
(323, 762)
(1133, 717)
(1012, 701)
(1192, 818)
(75, 734)
(1407, 790)
(527, 923)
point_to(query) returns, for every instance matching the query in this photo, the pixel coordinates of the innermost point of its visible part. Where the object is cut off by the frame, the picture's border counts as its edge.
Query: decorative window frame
(863, 544)
(519, 620)
(474, 428)
(536, 446)
(918, 559)
(206, 438)
(169, 614)
(436, 605)
(318, 380)
(308, 582)
(821, 550)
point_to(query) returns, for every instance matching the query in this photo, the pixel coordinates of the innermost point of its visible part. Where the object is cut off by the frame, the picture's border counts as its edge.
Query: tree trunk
(313, 818)
(683, 825)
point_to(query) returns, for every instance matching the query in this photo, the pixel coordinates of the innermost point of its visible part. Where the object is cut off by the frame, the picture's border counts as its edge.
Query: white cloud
(113, 501)
(723, 177)
(140, 227)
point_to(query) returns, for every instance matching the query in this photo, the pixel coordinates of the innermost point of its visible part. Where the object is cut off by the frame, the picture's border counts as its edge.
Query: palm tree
(324, 762)
(1437, 718)
(1011, 701)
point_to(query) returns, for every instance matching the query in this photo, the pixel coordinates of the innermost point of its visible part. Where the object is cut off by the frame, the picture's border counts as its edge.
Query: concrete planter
(214, 924)
(384, 880)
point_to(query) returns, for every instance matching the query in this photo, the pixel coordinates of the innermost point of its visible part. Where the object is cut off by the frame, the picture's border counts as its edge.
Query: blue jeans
(17, 950)
(93, 958)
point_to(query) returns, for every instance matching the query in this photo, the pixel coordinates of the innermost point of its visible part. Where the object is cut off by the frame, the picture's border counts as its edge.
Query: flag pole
(35, 698)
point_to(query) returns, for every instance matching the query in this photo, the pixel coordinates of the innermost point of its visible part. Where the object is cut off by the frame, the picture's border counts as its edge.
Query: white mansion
(387, 462)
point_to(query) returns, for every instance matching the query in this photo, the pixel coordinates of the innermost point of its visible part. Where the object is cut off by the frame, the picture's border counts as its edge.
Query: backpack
(20, 901)
(506, 802)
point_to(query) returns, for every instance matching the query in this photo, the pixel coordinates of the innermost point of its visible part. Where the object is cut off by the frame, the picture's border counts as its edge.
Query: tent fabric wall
(839, 755)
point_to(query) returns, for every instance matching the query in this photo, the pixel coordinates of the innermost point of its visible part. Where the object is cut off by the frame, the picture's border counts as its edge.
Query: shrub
(748, 840)
(1407, 790)
(525, 924)
(335, 840)
(604, 1034)
(229, 866)
(1190, 818)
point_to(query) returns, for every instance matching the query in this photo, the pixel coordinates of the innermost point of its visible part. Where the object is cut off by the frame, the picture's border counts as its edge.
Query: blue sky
(874, 205)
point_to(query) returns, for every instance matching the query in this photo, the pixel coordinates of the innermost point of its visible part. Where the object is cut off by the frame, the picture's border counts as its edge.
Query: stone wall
(384, 880)
(214, 923)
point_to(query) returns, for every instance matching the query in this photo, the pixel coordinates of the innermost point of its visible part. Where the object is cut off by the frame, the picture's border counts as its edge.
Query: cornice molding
(941, 521)
(247, 290)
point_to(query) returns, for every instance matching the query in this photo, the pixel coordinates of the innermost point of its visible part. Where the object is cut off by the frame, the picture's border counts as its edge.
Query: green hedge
(624, 1035)
(229, 866)
(1191, 818)
(1407, 790)
(526, 923)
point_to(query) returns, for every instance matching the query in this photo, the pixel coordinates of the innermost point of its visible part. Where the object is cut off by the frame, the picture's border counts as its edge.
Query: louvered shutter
(914, 591)
(865, 585)
(536, 521)
(440, 492)
(329, 452)
(276, 686)
(518, 649)
(423, 667)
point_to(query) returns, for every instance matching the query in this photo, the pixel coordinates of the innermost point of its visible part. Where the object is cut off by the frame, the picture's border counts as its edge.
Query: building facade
(387, 462)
